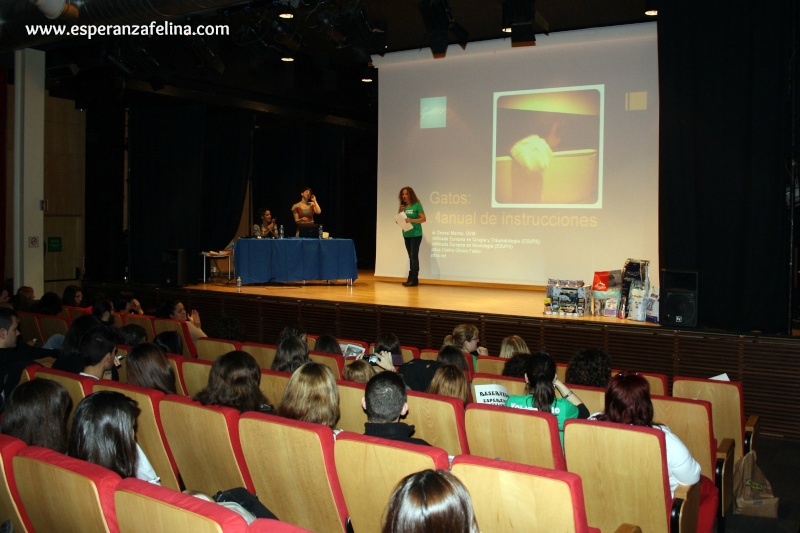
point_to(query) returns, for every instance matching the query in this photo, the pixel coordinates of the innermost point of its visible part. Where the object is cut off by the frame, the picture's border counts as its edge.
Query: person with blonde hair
(466, 338)
(450, 380)
(312, 396)
(359, 371)
(430, 501)
(511, 345)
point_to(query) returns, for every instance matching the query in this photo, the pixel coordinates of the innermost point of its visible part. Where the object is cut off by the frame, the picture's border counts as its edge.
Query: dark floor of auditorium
(780, 462)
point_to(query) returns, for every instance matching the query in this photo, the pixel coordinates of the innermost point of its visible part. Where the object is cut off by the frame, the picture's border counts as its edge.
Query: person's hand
(312, 200)
(194, 318)
(137, 307)
(385, 360)
(482, 351)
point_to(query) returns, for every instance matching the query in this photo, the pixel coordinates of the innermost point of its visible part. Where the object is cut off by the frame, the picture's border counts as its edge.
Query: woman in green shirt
(415, 215)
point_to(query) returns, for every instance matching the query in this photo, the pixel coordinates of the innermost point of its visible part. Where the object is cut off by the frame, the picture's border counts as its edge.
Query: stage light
(286, 35)
(651, 8)
(521, 20)
(369, 74)
(439, 22)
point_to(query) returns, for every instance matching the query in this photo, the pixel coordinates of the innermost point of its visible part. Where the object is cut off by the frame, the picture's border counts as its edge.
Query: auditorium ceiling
(331, 43)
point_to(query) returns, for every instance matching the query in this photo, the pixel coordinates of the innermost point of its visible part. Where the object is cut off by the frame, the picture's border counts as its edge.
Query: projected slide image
(548, 148)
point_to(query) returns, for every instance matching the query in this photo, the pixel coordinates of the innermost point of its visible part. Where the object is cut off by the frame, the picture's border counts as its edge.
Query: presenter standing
(415, 215)
(305, 209)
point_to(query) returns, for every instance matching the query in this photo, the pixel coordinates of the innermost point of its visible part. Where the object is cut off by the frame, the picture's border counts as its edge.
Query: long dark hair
(104, 432)
(292, 353)
(37, 413)
(628, 401)
(540, 370)
(233, 382)
(430, 501)
(148, 366)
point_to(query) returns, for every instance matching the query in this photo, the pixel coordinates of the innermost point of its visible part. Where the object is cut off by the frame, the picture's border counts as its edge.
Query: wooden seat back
(379, 464)
(146, 508)
(195, 375)
(78, 387)
(84, 492)
(10, 503)
(53, 325)
(515, 386)
(299, 468)
(553, 500)
(204, 440)
(332, 361)
(273, 384)
(209, 349)
(149, 433)
(161, 325)
(594, 398)
(497, 432)
(264, 354)
(657, 382)
(145, 321)
(29, 328)
(176, 362)
(438, 420)
(490, 365)
(353, 417)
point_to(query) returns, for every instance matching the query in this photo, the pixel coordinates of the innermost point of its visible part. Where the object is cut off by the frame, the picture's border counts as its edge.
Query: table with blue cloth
(283, 260)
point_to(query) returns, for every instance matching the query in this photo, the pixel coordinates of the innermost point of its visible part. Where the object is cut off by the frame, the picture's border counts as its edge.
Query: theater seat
(209, 349)
(10, 502)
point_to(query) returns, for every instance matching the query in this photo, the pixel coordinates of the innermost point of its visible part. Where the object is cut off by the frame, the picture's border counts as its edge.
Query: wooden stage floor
(520, 301)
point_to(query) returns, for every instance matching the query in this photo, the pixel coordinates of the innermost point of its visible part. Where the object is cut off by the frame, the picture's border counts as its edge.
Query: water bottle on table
(320, 231)
(281, 231)
(238, 284)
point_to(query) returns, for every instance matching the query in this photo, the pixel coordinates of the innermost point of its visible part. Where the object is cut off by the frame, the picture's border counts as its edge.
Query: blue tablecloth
(266, 260)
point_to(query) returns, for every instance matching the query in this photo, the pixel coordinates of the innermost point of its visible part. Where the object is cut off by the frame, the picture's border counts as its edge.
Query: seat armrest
(628, 528)
(723, 474)
(750, 433)
(685, 509)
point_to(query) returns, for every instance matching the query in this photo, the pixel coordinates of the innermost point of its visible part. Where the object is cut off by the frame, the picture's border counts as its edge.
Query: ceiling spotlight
(369, 74)
(287, 59)
(650, 8)
(521, 20)
(440, 22)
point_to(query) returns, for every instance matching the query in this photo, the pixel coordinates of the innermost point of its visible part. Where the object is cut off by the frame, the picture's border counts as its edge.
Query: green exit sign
(54, 244)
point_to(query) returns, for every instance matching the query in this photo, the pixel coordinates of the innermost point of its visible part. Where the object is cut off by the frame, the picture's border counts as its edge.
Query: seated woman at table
(268, 228)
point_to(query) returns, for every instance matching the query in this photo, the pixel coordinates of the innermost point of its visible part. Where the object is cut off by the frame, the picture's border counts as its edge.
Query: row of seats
(44, 491)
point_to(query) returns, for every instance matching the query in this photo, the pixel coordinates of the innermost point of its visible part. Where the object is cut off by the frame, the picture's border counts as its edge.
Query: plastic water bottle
(320, 231)
(238, 284)
(280, 231)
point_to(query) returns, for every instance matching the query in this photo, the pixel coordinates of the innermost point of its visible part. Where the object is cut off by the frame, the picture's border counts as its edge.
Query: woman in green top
(415, 215)
(542, 382)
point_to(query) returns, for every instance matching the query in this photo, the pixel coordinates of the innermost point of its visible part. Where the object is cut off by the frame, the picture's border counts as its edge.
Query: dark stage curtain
(724, 145)
(188, 178)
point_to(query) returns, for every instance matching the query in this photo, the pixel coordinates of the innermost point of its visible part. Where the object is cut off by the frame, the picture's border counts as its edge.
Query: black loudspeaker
(678, 299)
(175, 267)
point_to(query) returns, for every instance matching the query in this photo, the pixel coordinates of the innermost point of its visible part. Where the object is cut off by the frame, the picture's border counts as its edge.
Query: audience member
(23, 299)
(73, 296)
(103, 310)
(176, 311)
(465, 337)
(541, 380)
(358, 371)
(430, 502)
(230, 328)
(292, 353)
(104, 433)
(511, 345)
(37, 413)
(450, 380)
(48, 304)
(589, 367)
(70, 359)
(328, 344)
(234, 382)
(388, 342)
(5, 298)
(418, 373)
(292, 331)
(385, 402)
(170, 341)
(128, 304)
(149, 367)
(312, 396)
(14, 356)
(98, 350)
(628, 402)
(515, 366)
(130, 335)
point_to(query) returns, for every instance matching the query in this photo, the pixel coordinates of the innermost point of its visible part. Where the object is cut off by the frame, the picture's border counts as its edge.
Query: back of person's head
(23, 298)
(104, 311)
(292, 331)
(628, 401)
(170, 341)
(385, 397)
(358, 371)
(230, 328)
(589, 367)
(104, 432)
(540, 373)
(48, 304)
(312, 396)
(77, 330)
(462, 334)
(328, 344)
(516, 366)
(233, 382)
(148, 366)
(452, 355)
(96, 344)
(37, 412)
(7, 316)
(130, 335)
(388, 342)
(166, 309)
(430, 501)
(70, 296)
(292, 353)
(511, 345)
(450, 380)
